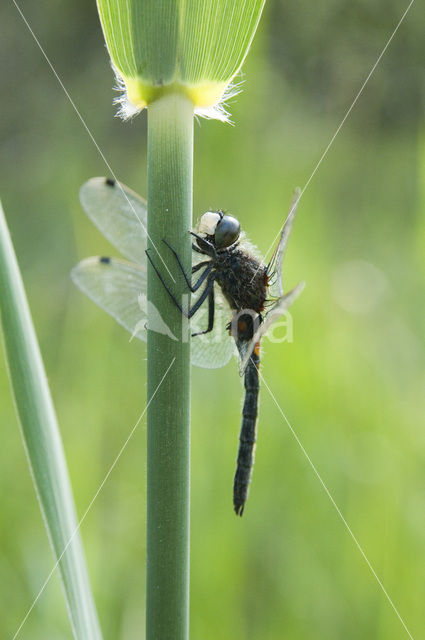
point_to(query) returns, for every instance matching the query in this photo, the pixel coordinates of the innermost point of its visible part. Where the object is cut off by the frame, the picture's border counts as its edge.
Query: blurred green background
(352, 383)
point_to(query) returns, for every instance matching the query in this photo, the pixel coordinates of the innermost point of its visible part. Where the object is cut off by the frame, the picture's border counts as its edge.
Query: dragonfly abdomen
(247, 438)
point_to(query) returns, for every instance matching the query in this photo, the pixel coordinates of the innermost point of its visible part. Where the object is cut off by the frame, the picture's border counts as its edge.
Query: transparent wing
(245, 349)
(118, 287)
(275, 264)
(281, 305)
(214, 349)
(119, 213)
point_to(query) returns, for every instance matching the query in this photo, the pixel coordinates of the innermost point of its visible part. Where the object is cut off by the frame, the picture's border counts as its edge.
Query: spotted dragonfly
(244, 295)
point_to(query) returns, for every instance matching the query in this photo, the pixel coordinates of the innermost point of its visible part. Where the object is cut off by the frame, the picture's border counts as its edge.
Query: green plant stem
(170, 171)
(43, 443)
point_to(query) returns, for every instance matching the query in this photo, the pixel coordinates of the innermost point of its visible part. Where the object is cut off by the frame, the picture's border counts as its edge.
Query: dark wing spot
(105, 260)
(110, 182)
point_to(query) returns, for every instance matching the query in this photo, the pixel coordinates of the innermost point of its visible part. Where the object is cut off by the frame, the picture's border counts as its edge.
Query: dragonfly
(244, 296)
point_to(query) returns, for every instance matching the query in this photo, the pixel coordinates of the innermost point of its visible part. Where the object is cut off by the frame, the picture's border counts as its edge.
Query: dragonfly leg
(187, 313)
(206, 246)
(198, 266)
(201, 279)
(208, 289)
(210, 315)
(165, 285)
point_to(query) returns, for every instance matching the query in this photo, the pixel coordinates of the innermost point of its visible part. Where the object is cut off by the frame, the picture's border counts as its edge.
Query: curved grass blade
(42, 442)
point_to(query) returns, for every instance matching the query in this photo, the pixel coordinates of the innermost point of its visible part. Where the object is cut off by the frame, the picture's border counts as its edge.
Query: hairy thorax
(243, 280)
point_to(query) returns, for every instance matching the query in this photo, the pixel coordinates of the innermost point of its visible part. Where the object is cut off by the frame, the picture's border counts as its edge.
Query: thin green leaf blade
(43, 443)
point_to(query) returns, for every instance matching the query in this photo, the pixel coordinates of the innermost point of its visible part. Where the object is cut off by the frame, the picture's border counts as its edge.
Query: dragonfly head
(221, 229)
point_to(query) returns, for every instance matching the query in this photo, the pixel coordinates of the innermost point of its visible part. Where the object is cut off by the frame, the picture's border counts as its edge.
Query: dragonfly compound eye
(227, 232)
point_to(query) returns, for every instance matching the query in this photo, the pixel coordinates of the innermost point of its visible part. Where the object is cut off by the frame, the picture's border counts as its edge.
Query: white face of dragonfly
(208, 223)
